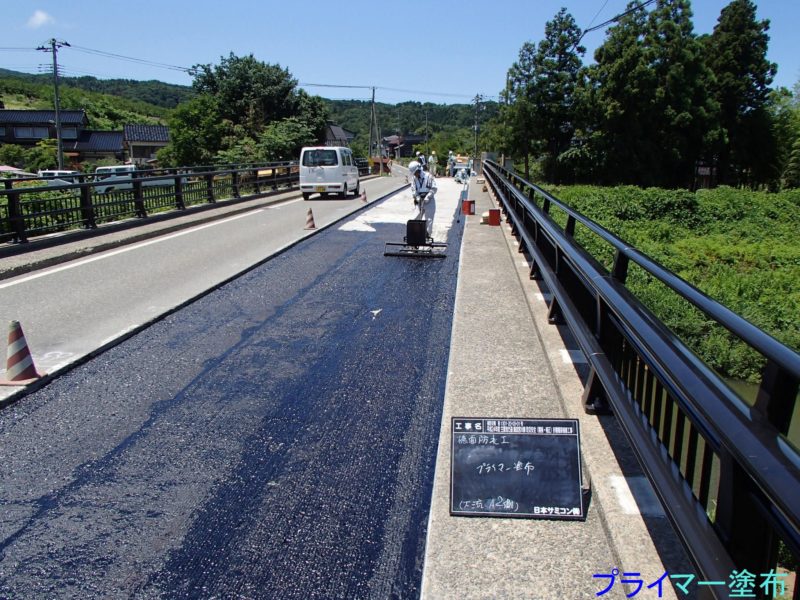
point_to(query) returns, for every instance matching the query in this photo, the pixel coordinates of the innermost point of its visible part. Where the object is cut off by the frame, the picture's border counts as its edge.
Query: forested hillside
(157, 93)
(406, 117)
(105, 111)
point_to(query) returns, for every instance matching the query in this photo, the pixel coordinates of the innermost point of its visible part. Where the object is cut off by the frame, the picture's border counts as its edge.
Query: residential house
(143, 141)
(136, 143)
(27, 127)
(402, 145)
(336, 135)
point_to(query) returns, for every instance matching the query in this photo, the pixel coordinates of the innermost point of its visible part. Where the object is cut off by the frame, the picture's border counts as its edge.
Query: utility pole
(374, 123)
(478, 98)
(427, 144)
(371, 120)
(54, 46)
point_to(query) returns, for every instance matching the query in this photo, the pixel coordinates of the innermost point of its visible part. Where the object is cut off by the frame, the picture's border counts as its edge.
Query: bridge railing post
(15, 216)
(138, 197)
(87, 208)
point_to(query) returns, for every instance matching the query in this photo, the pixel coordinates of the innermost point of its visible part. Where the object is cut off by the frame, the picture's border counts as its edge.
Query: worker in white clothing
(423, 188)
(432, 162)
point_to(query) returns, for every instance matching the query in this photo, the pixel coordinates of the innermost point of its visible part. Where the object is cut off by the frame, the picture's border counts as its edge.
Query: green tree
(791, 175)
(313, 113)
(615, 101)
(282, 140)
(737, 54)
(682, 120)
(550, 90)
(249, 92)
(196, 133)
(44, 155)
(12, 155)
(244, 111)
(518, 112)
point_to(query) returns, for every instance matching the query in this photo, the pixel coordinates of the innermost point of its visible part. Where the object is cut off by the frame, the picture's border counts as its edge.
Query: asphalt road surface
(274, 439)
(70, 310)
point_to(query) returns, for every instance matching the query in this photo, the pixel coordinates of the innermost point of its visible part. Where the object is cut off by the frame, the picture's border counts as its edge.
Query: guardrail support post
(594, 396)
(15, 214)
(210, 188)
(138, 199)
(746, 533)
(179, 202)
(87, 209)
(620, 269)
(776, 397)
(258, 182)
(235, 184)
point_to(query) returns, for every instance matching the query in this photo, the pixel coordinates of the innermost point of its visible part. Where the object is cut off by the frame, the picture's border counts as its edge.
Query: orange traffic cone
(19, 365)
(364, 196)
(310, 220)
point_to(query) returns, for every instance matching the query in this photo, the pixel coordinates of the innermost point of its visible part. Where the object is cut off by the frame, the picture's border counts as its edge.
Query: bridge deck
(506, 360)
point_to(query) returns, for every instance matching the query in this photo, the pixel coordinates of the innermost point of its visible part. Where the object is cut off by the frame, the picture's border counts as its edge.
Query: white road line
(79, 263)
(284, 203)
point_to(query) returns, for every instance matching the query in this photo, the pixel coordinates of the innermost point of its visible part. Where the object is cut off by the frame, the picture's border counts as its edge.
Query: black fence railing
(31, 207)
(726, 471)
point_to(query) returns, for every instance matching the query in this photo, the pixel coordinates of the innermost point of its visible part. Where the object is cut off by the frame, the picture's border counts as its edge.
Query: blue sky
(442, 52)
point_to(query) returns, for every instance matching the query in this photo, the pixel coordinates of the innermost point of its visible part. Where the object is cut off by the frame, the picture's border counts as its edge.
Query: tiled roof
(335, 133)
(97, 141)
(42, 117)
(147, 133)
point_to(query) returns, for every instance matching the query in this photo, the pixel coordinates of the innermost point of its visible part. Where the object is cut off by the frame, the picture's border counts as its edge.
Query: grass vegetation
(739, 247)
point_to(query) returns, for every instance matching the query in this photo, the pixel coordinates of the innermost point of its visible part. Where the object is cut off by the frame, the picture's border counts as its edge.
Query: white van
(64, 177)
(328, 170)
(120, 177)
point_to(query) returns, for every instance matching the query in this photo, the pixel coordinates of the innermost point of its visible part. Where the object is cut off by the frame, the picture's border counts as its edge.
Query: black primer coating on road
(275, 439)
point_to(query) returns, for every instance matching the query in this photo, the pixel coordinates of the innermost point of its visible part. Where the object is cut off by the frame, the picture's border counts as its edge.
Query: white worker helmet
(413, 166)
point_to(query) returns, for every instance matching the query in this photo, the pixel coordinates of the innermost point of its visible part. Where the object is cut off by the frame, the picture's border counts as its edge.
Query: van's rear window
(320, 158)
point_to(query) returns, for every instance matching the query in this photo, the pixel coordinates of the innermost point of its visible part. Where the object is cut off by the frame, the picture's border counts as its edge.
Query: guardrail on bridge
(28, 210)
(726, 474)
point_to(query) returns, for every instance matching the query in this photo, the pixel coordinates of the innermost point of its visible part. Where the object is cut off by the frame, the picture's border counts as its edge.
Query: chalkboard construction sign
(527, 468)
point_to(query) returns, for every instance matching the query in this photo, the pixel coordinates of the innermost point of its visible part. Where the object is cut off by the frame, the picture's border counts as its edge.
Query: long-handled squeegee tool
(416, 243)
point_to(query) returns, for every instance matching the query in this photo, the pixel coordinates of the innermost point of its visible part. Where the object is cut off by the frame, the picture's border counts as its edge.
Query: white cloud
(40, 19)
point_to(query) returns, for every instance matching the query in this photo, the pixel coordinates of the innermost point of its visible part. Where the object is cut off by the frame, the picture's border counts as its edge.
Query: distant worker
(421, 160)
(451, 163)
(432, 162)
(423, 188)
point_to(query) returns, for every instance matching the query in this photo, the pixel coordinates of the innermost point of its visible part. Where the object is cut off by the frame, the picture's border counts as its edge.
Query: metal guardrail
(27, 211)
(724, 470)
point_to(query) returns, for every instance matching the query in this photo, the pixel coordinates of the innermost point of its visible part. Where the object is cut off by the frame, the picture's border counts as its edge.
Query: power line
(618, 17)
(389, 89)
(611, 20)
(598, 12)
(132, 59)
(333, 85)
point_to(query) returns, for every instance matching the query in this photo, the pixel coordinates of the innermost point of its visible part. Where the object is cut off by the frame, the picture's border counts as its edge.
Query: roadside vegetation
(737, 246)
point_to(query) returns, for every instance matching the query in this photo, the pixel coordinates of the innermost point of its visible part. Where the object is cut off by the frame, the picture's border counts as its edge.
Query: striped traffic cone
(20, 369)
(364, 196)
(310, 220)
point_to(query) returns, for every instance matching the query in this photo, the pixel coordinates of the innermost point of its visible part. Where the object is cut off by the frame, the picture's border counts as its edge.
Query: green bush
(737, 246)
